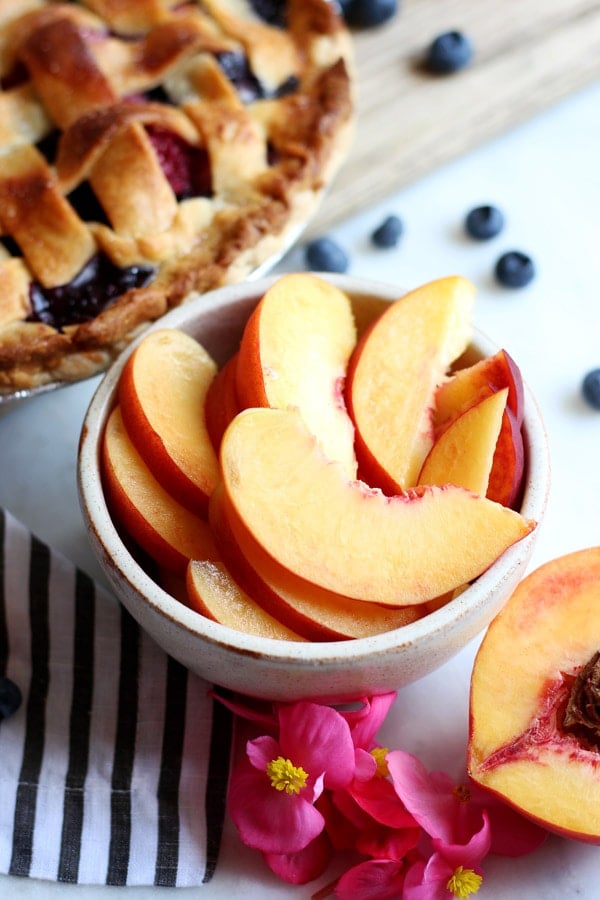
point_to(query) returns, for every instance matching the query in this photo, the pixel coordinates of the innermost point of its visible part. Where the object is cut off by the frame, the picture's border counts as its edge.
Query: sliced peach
(506, 477)
(318, 614)
(467, 386)
(213, 593)
(393, 374)
(464, 452)
(165, 529)
(345, 536)
(294, 353)
(162, 394)
(221, 403)
(534, 712)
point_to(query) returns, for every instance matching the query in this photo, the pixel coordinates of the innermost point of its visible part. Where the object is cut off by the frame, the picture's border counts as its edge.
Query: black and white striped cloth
(114, 769)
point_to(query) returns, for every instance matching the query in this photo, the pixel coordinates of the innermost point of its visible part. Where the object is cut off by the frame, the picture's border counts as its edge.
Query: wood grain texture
(528, 55)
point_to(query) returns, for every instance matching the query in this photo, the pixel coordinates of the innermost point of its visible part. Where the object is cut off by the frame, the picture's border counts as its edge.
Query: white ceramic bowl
(281, 670)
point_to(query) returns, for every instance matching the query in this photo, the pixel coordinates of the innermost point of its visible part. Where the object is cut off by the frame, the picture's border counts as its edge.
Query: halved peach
(318, 614)
(534, 709)
(213, 593)
(294, 353)
(162, 394)
(349, 538)
(464, 452)
(166, 530)
(393, 374)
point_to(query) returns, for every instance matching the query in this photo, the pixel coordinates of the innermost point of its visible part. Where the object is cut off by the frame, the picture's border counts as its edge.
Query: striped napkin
(114, 769)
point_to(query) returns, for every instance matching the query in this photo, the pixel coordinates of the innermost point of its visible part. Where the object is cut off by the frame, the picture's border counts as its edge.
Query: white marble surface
(545, 175)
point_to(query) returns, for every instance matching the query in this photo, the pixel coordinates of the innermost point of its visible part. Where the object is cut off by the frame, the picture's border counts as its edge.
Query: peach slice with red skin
(349, 538)
(469, 385)
(464, 452)
(213, 593)
(508, 467)
(318, 614)
(294, 353)
(534, 712)
(394, 371)
(222, 403)
(166, 530)
(162, 394)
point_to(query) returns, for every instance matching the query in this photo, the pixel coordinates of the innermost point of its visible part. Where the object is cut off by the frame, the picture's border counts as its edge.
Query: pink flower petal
(365, 765)
(430, 800)
(340, 830)
(372, 880)
(317, 738)
(378, 798)
(267, 819)
(470, 853)
(366, 721)
(261, 751)
(303, 866)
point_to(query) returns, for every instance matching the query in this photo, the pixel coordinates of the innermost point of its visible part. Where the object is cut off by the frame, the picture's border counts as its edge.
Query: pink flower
(453, 813)
(441, 878)
(273, 792)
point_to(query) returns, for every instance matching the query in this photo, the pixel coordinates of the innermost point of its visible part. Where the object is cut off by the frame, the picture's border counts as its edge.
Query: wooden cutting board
(528, 54)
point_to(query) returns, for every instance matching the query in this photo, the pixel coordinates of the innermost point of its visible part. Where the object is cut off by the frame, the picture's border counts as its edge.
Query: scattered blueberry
(388, 233)
(449, 52)
(514, 269)
(324, 255)
(10, 697)
(367, 13)
(590, 388)
(484, 222)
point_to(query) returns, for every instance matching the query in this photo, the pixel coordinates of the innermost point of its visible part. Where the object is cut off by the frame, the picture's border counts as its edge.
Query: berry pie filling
(93, 289)
(152, 150)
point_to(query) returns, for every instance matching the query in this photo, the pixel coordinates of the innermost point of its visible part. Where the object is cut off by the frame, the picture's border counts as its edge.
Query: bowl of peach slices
(314, 485)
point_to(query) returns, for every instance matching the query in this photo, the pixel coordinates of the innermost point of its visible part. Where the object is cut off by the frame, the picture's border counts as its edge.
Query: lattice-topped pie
(149, 148)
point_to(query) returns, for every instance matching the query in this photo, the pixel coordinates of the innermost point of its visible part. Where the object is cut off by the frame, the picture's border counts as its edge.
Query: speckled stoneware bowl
(279, 669)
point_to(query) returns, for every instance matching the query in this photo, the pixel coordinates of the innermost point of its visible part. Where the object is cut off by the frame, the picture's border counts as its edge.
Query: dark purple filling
(271, 11)
(236, 68)
(96, 286)
(17, 75)
(249, 88)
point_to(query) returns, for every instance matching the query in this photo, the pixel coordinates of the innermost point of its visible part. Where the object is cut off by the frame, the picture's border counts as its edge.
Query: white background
(545, 176)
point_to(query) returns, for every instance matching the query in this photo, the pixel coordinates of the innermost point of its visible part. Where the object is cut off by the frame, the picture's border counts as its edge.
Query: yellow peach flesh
(394, 372)
(345, 536)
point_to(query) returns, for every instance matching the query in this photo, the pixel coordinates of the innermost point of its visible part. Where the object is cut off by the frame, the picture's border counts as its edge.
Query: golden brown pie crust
(85, 71)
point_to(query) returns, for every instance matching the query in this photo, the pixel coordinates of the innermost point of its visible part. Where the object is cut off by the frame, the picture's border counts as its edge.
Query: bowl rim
(112, 551)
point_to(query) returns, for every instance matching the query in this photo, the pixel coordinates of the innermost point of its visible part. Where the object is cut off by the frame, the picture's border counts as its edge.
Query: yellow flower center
(379, 755)
(285, 776)
(463, 882)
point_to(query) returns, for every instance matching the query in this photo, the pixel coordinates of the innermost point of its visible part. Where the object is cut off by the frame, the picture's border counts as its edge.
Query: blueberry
(484, 222)
(324, 255)
(590, 388)
(367, 13)
(449, 52)
(10, 697)
(388, 233)
(514, 269)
